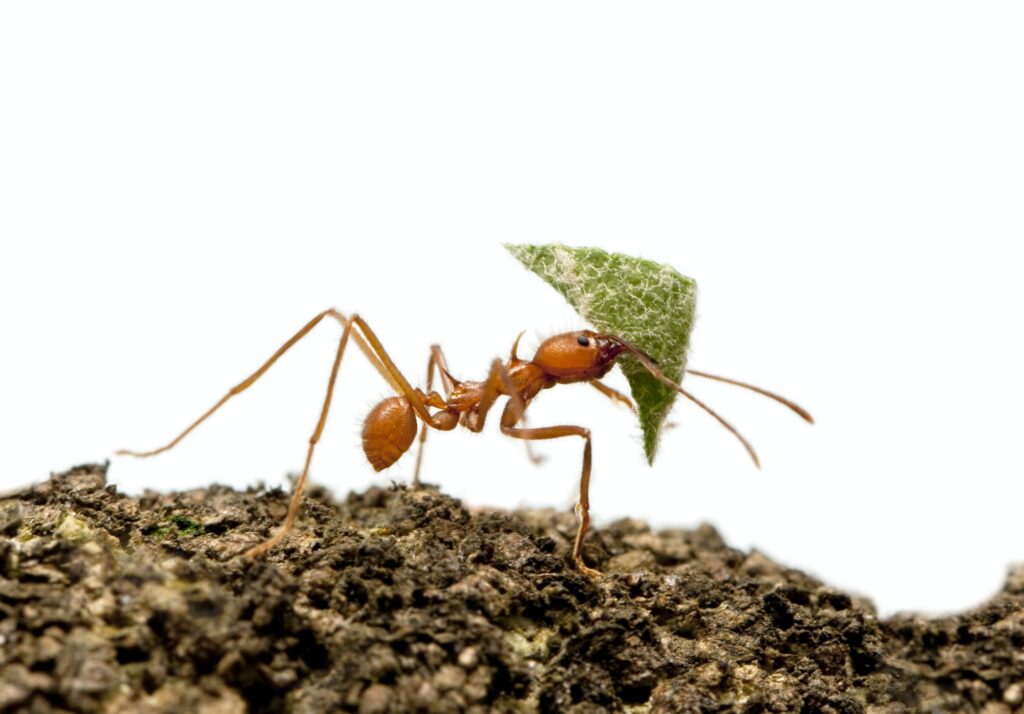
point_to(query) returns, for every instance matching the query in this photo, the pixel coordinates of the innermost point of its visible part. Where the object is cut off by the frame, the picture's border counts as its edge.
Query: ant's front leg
(508, 421)
(613, 394)
(497, 378)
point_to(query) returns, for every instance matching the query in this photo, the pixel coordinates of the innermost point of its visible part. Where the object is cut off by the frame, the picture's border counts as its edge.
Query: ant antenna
(804, 414)
(648, 363)
(721, 420)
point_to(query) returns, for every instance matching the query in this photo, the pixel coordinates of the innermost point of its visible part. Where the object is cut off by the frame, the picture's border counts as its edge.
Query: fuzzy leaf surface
(646, 303)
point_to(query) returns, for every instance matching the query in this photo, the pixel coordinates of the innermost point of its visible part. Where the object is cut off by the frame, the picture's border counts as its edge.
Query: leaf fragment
(647, 303)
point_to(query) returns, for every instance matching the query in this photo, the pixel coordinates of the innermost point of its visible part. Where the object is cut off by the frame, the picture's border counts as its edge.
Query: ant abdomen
(388, 432)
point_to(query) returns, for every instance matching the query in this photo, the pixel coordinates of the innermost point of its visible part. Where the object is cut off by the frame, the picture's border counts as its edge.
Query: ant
(390, 428)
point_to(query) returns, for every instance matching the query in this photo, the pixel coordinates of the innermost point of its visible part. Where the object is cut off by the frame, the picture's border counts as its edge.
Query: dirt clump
(400, 600)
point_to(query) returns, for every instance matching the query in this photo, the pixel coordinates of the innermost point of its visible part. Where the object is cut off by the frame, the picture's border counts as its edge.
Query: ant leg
(380, 359)
(368, 352)
(497, 378)
(535, 458)
(508, 421)
(397, 379)
(438, 362)
(618, 396)
(373, 351)
(613, 394)
(293, 506)
(251, 379)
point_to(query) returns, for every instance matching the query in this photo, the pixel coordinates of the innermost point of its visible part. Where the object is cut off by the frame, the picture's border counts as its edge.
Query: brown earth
(399, 600)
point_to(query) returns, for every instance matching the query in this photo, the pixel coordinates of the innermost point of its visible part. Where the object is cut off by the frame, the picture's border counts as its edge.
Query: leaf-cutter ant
(390, 428)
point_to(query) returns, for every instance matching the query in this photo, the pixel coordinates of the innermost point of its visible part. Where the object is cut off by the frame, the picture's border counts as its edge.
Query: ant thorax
(525, 379)
(465, 396)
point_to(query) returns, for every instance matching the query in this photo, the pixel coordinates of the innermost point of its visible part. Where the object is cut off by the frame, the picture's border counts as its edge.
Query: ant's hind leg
(252, 378)
(379, 358)
(374, 352)
(508, 420)
(237, 389)
(293, 506)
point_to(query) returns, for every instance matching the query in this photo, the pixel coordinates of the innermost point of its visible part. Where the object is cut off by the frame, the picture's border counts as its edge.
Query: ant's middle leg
(508, 421)
(439, 363)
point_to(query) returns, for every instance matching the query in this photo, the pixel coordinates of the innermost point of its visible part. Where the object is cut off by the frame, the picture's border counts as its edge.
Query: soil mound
(399, 600)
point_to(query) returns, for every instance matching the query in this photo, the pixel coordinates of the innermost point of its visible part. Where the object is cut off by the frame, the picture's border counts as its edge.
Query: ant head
(578, 356)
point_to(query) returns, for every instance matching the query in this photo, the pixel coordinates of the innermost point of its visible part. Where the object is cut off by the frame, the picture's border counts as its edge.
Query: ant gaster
(390, 428)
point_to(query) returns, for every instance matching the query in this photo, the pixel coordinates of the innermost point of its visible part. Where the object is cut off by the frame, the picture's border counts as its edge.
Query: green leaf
(646, 303)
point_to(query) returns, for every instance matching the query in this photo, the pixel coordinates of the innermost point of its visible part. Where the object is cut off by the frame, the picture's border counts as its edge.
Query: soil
(400, 600)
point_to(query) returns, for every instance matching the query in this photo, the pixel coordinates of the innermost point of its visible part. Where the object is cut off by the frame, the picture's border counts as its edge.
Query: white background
(183, 185)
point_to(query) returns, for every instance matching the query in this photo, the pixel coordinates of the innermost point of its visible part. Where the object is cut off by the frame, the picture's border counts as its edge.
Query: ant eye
(583, 341)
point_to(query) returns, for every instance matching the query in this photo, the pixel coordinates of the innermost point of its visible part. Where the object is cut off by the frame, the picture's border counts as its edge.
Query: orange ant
(390, 428)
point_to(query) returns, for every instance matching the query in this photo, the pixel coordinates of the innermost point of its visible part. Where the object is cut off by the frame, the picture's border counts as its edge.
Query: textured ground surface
(399, 600)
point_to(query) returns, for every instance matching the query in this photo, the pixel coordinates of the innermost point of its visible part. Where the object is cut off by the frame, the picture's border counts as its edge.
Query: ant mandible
(390, 428)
